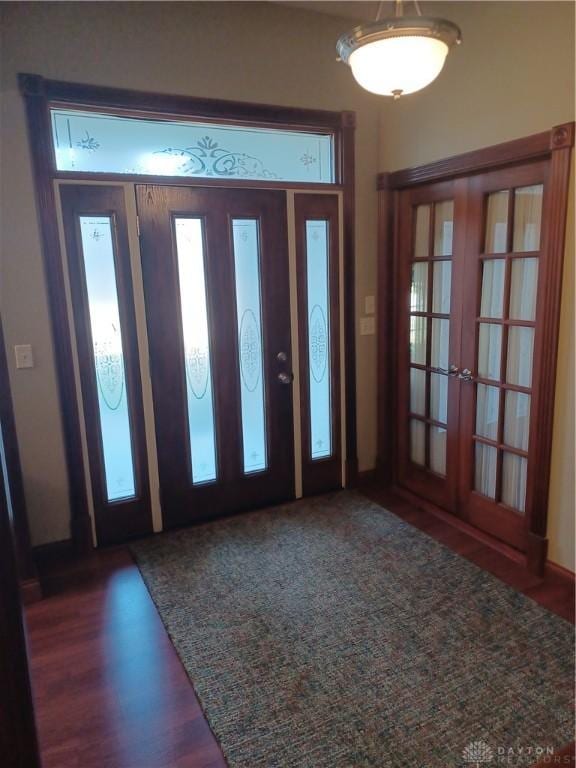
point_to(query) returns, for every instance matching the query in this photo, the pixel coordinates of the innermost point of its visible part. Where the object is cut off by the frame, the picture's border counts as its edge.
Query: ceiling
(359, 9)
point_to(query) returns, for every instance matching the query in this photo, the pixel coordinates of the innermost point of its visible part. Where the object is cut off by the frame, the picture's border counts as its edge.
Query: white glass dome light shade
(398, 65)
(398, 55)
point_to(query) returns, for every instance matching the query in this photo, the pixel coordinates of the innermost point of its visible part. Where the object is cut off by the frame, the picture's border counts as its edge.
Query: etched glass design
(318, 293)
(198, 368)
(102, 143)
(98, 254)
(246, 238)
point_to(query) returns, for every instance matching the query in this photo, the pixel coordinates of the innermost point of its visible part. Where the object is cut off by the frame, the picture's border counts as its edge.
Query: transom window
(93, 142)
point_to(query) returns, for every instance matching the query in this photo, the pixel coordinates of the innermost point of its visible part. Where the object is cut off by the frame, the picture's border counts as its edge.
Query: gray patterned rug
(329, 634)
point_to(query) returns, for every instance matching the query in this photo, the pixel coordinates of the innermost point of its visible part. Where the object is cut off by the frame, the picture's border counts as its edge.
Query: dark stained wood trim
(190, 181)
(26, 566)
(18, 740)
(521, 150)
(347, 161)
(32, 89)
(385, 331)
(164, 105)
(38, 94)
(548, 311)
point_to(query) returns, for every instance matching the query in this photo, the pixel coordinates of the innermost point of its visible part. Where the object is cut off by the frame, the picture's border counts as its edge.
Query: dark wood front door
(215, 271)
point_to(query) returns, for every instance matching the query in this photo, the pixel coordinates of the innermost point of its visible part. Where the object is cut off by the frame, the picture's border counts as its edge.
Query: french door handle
(452, 371)
(466, 375)
(285, 378)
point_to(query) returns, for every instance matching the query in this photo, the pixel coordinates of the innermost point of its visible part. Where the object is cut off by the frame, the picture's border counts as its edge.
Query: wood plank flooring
(109, 687)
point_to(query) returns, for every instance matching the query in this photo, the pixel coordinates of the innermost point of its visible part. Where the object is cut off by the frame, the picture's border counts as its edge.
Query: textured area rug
(328, 633)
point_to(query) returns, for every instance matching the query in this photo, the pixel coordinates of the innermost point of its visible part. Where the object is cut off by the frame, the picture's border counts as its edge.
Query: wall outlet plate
(24, 356)
(367, 326)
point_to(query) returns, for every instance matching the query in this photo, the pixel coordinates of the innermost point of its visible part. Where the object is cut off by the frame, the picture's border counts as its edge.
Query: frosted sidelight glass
(419, 287)
(527, 218)
(418, 340)
(442, 287)
(417, 391)
(489, 349)
(104, 143)
(440, 343)
(113, 407)
(443, 228)
(487, 408)
(438, 450)
(417, 442)
(514, 470)
(485, 470)
(492, 301)
(438, 397)
(318, 299)
(195, 334)
(245, 235)
(497, 222)
(520, 354)
(517, 420)
(422, 232)
(523, 284)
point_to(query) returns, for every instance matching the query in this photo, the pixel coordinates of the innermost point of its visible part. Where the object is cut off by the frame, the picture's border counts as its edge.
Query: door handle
(466, 375)
(285, 378)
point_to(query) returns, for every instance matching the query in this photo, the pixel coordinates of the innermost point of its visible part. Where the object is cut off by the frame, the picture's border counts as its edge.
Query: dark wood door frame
(39, 94)
(26, 568)
(554, 145)
(18, 740)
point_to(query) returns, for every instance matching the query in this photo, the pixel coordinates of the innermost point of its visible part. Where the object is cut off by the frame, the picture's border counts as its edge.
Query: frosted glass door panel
(520, 356)
(245, 234)
(517, 420)
(317, 293)
(485, 473)
(417, 391)
(422, 232)
(442, 287)
(439, 397)
(438, 450)
(514, 469)
(418, 340)
(523, 285)
(489, 350)
(418, 442)
(497, 222)
(527, 218)
(440, 342)
(98, 254)
(200, 399)
(492, 302)
(487, 407)
(419, 287)
(443, 228)
(102, 143)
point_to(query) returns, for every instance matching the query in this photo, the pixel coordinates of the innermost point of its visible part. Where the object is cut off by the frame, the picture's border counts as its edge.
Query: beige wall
(245, 51)
(519, 83)
(512, 76)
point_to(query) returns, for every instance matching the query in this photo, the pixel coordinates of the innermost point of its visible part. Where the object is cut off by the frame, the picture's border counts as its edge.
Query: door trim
(38, 93)
(554, 145)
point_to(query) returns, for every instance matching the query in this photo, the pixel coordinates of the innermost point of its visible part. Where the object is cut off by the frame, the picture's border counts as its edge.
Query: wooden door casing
(182, 501)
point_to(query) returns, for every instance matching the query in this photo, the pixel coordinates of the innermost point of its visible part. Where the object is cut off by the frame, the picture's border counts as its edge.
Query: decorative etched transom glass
(318, 302)
(98, 255)
(245, 233)
(197, 364)
(100, 143)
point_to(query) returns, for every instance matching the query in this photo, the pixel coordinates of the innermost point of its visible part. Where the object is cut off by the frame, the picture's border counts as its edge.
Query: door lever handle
(285, 378)
(466, 375)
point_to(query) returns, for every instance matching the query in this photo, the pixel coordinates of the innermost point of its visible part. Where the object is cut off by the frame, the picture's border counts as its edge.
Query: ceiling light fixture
(399, 54)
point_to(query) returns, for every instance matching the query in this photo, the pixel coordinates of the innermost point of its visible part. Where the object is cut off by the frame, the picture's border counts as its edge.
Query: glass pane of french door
(215, 267)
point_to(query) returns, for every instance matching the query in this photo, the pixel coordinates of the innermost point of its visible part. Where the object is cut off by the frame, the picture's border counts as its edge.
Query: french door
(470, 304)
(215, 272)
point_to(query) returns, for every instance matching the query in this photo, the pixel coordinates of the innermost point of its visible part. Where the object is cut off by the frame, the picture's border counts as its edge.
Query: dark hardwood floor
(110, 690)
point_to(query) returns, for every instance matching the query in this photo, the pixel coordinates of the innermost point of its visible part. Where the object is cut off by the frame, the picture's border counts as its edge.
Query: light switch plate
(367, 326)
(24, 356)
(369, 305)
